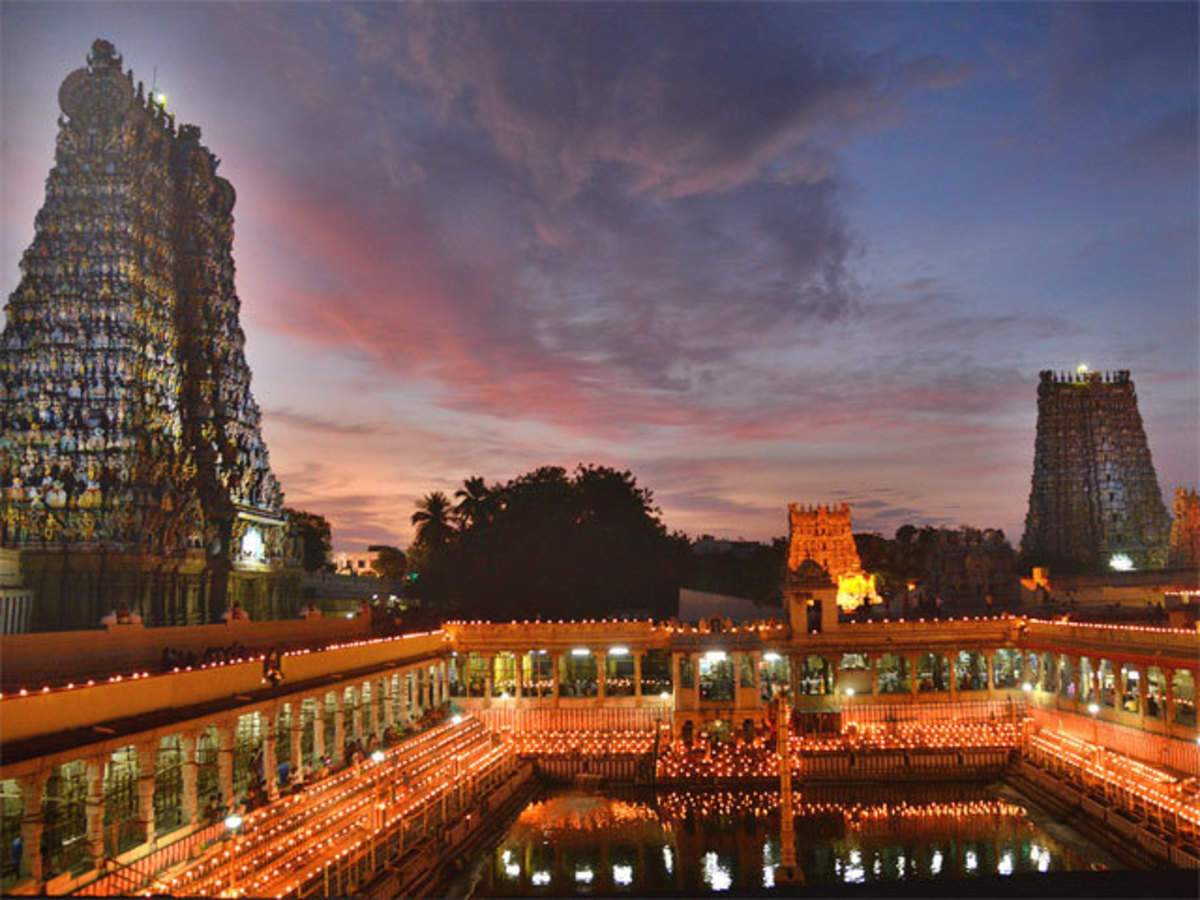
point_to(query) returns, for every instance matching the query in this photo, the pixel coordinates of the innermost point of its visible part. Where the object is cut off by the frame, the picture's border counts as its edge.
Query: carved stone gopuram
(821, 549)
(822, 534)
(1095, 503)
(130, 444)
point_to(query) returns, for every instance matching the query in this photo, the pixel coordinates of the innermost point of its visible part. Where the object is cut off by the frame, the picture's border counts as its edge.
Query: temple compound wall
(1185, 531)
(1094, 501)
(123, 765)
(132, 463)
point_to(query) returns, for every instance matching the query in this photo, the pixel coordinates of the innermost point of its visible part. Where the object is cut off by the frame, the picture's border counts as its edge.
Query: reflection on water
(576, 843)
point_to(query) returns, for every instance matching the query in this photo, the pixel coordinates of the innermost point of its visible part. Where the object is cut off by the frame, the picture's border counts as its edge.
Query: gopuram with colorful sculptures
(132, 463)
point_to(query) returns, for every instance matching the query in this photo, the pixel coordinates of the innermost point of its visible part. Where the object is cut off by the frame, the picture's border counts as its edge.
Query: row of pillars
(1095, 686)
(427, 688)
(556, 659)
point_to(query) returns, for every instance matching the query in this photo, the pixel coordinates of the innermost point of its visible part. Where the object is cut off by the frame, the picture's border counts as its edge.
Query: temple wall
(31, 660)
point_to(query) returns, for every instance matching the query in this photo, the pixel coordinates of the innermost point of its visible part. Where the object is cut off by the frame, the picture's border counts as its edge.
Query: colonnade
(550, 674)
(76, 811)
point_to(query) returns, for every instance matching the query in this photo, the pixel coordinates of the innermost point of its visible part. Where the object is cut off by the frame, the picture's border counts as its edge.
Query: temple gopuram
(821, 549)
(132, 463)
(1095, 503)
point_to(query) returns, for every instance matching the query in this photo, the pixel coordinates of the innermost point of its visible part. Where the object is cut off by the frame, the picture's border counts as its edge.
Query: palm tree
(476, 503)
(432, 519)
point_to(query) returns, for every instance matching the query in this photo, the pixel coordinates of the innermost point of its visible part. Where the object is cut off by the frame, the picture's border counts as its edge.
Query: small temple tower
(823, 560)
(132, 463)
(1094, 503)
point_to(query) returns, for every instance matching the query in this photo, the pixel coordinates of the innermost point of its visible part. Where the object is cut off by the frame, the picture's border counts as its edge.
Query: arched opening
(168, 785)
(64, 820)
(121, 831)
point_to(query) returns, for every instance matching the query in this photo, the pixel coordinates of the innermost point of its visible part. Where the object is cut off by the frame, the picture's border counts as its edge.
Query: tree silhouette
(433, 520)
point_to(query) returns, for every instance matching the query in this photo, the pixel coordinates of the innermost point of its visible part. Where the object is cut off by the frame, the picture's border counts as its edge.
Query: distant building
(1185, 531)
(697, 605)
(1095, 502)
(970, 565)
(361, 563)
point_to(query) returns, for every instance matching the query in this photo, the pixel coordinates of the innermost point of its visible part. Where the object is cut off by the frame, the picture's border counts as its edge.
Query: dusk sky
(753, 253)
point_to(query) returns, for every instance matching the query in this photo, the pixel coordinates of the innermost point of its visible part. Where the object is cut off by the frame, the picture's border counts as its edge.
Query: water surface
(571, 842)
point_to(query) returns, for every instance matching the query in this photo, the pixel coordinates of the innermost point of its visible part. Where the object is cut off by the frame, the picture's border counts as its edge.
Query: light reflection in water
(854, 873)
(582, 843)
(769, 861)
(715, 873)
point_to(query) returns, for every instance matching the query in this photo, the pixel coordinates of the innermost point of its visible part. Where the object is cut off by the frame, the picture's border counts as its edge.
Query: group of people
(173, 659)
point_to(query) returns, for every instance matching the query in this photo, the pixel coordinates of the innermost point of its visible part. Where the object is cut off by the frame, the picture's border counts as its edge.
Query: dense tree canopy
(390, 562)
(546, 543)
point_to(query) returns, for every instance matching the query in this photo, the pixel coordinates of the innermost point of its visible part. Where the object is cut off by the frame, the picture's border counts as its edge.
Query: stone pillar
(270, 767)
(1143, 691)
(146, 758)
(1169, 698)
(875, 674)
(912, 673)
(756, 673)
(318, 727)
(33, 788)
(465, 673)
(518, 666)
(338, 750)
(389, 711)
(296, 737)
(188, 803)
(694, 659)
(94, 777)
(1097, 685)
(225, 762)
(557, 659)
(829, 679)
(637, 677)
(952, 673)
(489, 672)
(371, 720)
(676, 678)
(989, 671)
(356, 716)
(601, 675)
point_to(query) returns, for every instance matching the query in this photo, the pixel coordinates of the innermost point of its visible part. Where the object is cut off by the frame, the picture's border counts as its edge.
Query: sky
(755, 254)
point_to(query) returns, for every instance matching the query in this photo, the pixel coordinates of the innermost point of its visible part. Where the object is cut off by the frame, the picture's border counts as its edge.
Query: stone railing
(57, 657)
(53, 710)
(1176, 647)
